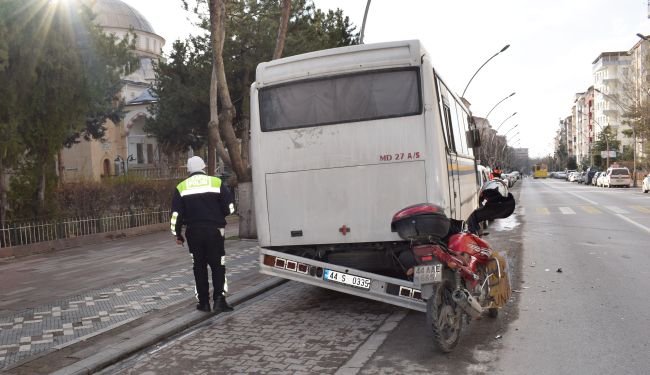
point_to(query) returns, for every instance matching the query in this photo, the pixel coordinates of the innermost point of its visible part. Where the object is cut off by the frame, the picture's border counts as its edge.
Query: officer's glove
(180, 240)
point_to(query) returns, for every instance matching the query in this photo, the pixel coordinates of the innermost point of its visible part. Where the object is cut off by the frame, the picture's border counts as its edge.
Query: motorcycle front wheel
(444, 317)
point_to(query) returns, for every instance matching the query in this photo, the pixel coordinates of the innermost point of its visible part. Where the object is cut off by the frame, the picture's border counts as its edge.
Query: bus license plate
(347, 279)
(426, 274)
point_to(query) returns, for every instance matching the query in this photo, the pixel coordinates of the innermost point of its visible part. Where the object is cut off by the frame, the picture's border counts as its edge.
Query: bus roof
(351, 58)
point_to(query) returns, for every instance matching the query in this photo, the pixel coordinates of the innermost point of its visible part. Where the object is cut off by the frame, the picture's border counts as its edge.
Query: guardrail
(24, 233)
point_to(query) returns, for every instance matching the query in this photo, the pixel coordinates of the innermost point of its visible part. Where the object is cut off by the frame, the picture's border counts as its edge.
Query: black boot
(205, 307)
(220, 305)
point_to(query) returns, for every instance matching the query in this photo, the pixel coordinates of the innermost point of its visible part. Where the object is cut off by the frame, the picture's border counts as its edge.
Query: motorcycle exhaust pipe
(468, 303)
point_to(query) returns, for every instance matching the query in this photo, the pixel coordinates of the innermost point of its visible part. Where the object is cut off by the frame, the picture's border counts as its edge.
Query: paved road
(593, 317)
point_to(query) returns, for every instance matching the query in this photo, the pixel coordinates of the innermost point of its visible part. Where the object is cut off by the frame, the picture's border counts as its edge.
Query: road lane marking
(616, 210)
(583, 198)
(567, 211)
(634, 223)
(618, 215)
(645, 210)
(591, 210)
(542, 211)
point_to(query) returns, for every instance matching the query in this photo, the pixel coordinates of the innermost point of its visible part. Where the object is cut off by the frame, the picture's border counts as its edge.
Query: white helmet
(195, 164)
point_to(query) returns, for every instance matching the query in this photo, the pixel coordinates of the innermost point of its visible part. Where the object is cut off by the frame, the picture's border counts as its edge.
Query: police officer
(202, 202)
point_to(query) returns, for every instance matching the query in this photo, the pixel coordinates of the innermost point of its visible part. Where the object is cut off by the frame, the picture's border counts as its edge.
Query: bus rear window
(349, 98)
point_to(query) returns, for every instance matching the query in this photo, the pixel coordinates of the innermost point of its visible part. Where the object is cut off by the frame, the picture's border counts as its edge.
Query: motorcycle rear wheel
(444, 318)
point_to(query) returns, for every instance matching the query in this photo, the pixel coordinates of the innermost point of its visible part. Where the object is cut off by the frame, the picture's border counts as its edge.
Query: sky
(552, 46)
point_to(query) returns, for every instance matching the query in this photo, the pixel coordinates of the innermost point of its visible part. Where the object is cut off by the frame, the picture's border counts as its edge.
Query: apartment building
(582, 114)
(637, 95)
(611, 72)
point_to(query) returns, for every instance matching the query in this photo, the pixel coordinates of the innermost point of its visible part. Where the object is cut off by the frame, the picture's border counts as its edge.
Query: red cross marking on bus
(344, 230)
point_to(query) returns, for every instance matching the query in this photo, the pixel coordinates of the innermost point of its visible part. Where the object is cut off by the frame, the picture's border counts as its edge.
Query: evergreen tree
(60, 79)
(179, 119)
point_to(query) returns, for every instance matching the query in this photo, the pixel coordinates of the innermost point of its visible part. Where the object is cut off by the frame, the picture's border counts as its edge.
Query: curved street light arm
(488, 115)
(509, 130)
(504, 121)
(481, 67)
(363, 25)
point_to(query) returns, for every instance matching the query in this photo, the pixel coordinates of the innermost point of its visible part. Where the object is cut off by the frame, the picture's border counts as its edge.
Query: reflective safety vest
(200, 200)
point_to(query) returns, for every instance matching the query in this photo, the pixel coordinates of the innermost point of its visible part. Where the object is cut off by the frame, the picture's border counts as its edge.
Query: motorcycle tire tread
(432, 317)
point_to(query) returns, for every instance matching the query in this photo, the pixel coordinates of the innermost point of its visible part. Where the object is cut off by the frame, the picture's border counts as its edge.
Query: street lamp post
(481, 67)
(363, 25)
(497, 129)
(500, 101)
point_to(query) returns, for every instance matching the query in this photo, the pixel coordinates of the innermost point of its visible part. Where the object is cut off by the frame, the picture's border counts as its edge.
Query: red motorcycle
(458, 273)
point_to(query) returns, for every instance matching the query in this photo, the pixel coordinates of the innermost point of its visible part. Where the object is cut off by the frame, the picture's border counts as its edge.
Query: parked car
(568, 173)
(573, 176)
(509, 179)
(580, 177)
(561, 175)
(617, 177)
(646, 184)
(594, 179)
(601, 179)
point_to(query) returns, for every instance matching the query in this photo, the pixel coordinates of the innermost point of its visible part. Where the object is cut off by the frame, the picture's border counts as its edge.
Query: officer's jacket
(201, 200)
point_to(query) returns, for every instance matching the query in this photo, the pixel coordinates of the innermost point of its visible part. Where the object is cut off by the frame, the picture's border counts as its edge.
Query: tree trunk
(213, 130)
(215, 145)
(246, 208)
(246, 123)
(42, 181)
(227, 108)
(282, 30)
(60, 166)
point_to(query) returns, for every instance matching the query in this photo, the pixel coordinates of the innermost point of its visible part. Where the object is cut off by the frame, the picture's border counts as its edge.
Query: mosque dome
(116, 14)
(118, 18)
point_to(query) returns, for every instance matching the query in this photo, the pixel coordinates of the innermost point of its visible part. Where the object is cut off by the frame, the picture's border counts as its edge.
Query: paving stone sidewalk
(68, 320)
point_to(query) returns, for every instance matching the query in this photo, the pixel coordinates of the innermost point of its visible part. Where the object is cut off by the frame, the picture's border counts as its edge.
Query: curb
(112, 355)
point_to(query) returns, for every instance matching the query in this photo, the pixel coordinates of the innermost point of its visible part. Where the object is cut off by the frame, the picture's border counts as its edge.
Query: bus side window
(459, 142)
(449, 127)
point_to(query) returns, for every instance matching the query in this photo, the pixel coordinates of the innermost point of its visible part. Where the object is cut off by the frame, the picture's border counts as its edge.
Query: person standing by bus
(202, 202)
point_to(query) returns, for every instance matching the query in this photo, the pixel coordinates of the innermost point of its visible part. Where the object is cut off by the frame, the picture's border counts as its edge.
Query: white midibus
(342, 139)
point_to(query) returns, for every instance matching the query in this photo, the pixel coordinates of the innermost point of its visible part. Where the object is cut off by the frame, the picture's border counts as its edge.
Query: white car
(646, 184)
(601, 179)
(617, 177)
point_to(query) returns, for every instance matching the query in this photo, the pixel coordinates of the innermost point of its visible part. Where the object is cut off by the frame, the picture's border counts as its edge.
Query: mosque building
(126, 145)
